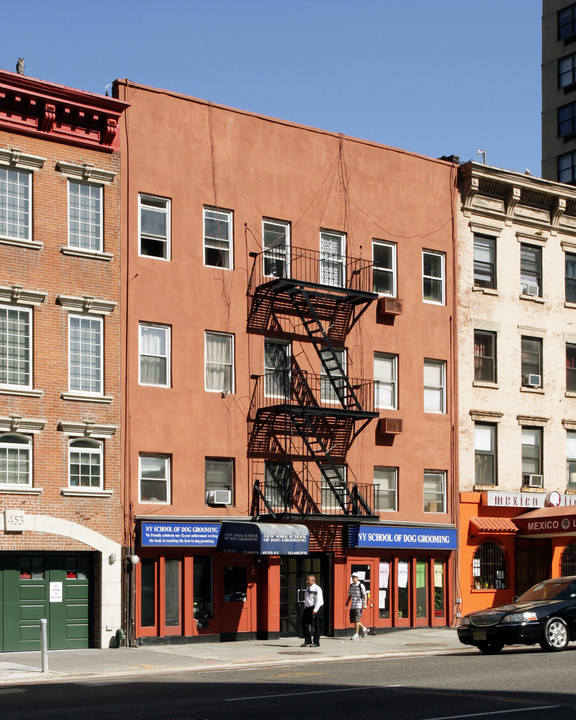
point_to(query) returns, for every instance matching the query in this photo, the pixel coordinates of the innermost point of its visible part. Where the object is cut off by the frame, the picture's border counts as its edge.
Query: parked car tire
(490, 648)
(555, 637)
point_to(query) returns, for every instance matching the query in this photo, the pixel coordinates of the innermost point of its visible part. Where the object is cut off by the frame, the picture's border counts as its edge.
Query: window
(568, 560)
(567, 119)
(15, 459)
(332, 259)
(484, 356)
(531, 270)
(15, 204)
(434, 491)
(566, 167)
(219, 362)
(385, 381)
(485, 454)
(484, 261)
(84, 216)
(384, 267)
(567, 71)
(277, 369)
(154, 355)
(331, 498)
(570, 367)
(154, 226)
(276, 241)
(333, 386)
(489, 567)
(566, 22)
(433, 277)
(218, 238)
(277, 486)
(155, 479)
(570, 460)
(15, 345)
(531, 362)
(385, 488)
(85, 354)
(532, 456)
(434, 386)
(219, 481)
(570, 279)
(85, 464)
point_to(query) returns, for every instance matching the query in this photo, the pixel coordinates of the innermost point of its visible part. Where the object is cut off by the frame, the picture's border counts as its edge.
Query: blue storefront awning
(264, 538)
(417, 538)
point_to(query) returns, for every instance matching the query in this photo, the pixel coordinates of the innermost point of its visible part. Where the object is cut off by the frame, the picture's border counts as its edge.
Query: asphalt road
(516, 684)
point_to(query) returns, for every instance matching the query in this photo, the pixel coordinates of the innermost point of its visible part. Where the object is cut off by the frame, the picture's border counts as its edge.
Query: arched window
(15, 459)
(489, 567)
(568, 561)
(85, 464)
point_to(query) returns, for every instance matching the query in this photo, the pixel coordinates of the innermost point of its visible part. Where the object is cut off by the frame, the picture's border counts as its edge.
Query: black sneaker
(315, 644)
(306, 645)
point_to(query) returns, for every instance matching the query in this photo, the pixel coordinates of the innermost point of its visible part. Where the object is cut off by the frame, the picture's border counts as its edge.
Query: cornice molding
(87, 428)
(85, 172)
(16, 158)
(18, 423)
(532, 420)
(20, 296)
(86, 304)
(486, 415)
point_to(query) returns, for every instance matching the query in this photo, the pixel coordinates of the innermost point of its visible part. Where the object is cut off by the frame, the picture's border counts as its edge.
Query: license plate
(479, 635)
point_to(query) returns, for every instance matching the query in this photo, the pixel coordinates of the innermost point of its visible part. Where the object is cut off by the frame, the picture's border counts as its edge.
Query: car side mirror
(515, 598)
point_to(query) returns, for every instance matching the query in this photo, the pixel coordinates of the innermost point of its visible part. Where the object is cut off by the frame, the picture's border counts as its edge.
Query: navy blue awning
(264, 538)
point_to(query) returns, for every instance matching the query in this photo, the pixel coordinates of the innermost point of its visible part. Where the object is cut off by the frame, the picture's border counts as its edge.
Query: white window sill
(570, 305)
(485, 291)
(20, 490)
(537, 391)
(93, 254)
(31, 244)
(484, 384)
(570, 394)
(23, 392)
(79, 397)
(531, 298)
(484, 488)
(86, 492)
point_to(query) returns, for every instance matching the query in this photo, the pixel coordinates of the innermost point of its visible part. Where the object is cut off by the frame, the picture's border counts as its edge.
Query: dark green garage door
(56, 587)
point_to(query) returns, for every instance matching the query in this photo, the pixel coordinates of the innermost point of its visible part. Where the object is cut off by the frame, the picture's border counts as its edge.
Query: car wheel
(555, 637)
(490, 648)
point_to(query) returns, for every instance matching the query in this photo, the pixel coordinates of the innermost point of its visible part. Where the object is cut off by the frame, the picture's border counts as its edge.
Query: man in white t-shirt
(357, 598)
(313, 601)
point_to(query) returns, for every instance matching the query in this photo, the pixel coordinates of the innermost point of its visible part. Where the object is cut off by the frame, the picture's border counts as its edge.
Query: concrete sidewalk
(68, 665)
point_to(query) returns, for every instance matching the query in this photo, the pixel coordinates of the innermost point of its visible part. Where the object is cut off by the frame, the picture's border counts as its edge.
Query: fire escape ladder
(301, 498)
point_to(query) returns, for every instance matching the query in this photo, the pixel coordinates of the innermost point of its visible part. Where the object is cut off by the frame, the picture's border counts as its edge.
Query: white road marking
(310, 692)
(495, 712)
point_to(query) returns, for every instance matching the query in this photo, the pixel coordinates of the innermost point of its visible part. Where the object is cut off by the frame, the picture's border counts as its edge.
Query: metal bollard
(44, 643)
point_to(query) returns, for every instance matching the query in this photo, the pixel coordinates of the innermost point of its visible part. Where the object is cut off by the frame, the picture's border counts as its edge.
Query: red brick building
(60, 501)
(288, 309)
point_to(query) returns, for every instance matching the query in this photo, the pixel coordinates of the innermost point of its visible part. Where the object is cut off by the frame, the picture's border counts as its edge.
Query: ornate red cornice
(59, 113)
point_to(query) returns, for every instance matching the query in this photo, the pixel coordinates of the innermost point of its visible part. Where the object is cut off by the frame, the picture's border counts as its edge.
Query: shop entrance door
(533, 563)
(293, 573)
(367, 572)
(236, 608)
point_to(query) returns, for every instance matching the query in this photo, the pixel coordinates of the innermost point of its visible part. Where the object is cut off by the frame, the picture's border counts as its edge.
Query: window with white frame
(333, 384)
(155, 481)
(219, 481)
(570, 460)
(530, 270)
(332, 259)
(276, 242)
(85, 464)
(485, 453)
(154, 214)
(15, 203)
(434, 491)
(531, 362)
(85, 340)
(434, 386)
(15, 460)
(532, 456)
(154, 353)
(84, 216)
(219, 349)
(277, 368)
(385, 488)
(218, 238)
(384, 267)
(15, 347)
(433, 280)
(385, 381)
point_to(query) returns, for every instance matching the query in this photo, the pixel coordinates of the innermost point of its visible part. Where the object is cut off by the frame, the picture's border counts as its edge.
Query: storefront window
(172, 592)
(421, 589)
(147, 596)
(489, 567)
(31, 568)
(568, 562)
(403, 589)
(203, 588)
(439, 594)
(384, 589)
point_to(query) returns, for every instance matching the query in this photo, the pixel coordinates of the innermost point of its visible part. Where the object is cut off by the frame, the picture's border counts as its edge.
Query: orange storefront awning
(480, 525)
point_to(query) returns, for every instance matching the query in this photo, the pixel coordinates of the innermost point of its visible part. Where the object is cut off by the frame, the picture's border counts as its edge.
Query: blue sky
(436, 77)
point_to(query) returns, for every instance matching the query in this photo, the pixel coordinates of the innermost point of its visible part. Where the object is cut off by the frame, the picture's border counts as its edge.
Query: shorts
(355, 614)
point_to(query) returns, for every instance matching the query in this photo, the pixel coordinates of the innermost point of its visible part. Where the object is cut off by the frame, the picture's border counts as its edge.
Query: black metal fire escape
(313, 419)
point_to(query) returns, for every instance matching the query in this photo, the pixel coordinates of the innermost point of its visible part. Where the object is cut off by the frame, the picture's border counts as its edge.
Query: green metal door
(55, 587)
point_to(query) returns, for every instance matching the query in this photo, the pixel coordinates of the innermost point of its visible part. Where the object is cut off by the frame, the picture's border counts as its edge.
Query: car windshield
(552, 590)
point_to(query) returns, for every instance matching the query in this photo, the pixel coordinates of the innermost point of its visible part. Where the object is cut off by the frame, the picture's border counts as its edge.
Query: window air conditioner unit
(536, 481)
(389, 426)
(530, 289)
(219, 497)
(390, 306)
(534, 380)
